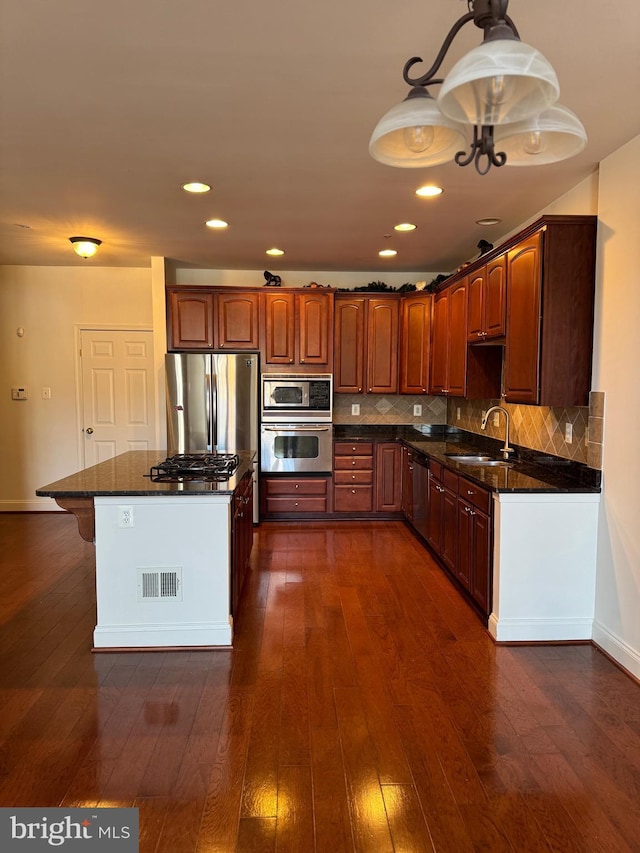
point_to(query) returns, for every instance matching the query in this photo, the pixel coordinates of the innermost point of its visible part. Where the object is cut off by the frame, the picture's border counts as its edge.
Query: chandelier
(504, 90)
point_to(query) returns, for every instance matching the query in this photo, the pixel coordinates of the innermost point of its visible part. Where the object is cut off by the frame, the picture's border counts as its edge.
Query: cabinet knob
(353, 461)
(353, 491)
(296, 503)
(353, 476)
(297, 485)
(470, 492)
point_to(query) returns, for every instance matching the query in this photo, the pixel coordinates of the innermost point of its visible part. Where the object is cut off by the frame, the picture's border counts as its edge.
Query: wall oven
(288, 397)
(296, 448)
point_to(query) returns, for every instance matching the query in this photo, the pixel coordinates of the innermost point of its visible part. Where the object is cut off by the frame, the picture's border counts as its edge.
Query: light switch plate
(568, 433)
(21, 393)
(417, 410)
(355, 408)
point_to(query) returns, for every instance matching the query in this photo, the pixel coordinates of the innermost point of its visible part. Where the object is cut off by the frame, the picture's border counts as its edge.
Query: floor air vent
(159, 584)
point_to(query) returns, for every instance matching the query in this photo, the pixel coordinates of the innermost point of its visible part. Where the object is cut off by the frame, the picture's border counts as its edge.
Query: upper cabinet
(487, 302)
(189, 319)
(237, 320)
(314, 315)
(449, 341)
(415, 339)
(366, 344)
(550, 304)
(279, 327)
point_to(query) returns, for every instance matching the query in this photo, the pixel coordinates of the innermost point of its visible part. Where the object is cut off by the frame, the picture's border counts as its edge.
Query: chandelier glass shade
(86, 247)
(501, 91)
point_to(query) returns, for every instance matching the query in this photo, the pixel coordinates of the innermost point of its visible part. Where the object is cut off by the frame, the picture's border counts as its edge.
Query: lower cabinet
(242, 537)
(459, 530)
(353, 465)
(292, 496)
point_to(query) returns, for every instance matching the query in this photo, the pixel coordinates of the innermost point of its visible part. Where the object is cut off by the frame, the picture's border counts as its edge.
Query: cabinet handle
(353, 491)
(470, 492)
(297, 485)
(353, 450)
(359, 390)
(353, 461)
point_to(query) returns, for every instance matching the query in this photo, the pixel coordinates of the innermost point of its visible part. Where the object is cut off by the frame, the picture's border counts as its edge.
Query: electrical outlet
(125, 516)
(568, 433)
(355, 408)
(417, 410)
(458, 413)
(46, 393)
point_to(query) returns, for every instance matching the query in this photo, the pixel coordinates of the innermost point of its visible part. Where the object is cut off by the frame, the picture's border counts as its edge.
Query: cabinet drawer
(450, 480)
(353, 499)
(296, 504)
(353, 478)
(353, 448)
(292, 488)
(353, 463)
(473, 494)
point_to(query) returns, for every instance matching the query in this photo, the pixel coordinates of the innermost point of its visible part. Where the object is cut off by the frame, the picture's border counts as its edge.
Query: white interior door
(118, 403)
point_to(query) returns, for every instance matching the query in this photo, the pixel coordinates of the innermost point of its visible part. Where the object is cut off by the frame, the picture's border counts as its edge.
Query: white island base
(163, 580)
(544, 566)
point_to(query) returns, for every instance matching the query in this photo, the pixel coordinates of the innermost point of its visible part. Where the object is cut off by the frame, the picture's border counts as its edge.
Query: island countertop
(128, 474)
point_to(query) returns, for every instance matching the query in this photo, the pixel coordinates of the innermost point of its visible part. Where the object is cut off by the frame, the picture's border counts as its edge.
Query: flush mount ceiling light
(86, 247)
(196, 187)
(502, 84)
(489, 220)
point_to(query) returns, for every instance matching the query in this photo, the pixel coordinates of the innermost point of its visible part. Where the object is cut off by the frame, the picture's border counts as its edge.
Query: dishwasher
(421, 494)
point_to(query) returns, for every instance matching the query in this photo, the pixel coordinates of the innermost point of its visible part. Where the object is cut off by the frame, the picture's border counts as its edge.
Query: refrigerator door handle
(208, 412)
(213, 419)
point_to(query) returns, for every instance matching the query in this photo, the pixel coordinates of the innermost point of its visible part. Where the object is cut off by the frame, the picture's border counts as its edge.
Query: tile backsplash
(389, 409)
(539, 427)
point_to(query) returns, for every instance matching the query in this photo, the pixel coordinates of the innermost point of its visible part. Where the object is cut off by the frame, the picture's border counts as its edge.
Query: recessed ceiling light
(274, 251)
(405, 226)
(387, 253)
(488, 220)
(428, 191)
(216, 223)
(196, 187)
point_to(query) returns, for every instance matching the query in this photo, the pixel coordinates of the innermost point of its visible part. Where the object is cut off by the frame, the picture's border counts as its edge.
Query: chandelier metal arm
(426, 79)
(483, 154)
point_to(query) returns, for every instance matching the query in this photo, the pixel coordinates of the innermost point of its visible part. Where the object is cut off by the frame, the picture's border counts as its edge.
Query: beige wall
(39, 439)
(615, 370)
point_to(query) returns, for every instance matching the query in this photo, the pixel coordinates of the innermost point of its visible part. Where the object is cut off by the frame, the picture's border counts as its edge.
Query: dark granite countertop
(125, 475)
(531, 471)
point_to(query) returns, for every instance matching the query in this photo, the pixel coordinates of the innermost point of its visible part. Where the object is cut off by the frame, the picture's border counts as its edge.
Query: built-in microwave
(305, 397)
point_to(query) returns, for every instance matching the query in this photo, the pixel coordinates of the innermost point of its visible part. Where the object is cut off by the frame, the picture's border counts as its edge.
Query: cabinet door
(279, 328)
(407, 483)
(237, 320)
(439, 343)
(457, 361)
(495, 297)
(434, 514)
(349, 345)
(449, 544)
(522, 347)
(190, 319)
(388, 476)
(315, 327)
(414, 355)
(476, 306)
(382, 346)
(481, 565)
(464, 563)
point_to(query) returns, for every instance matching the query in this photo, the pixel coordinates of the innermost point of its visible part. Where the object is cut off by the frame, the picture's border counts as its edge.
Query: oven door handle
(296, 429)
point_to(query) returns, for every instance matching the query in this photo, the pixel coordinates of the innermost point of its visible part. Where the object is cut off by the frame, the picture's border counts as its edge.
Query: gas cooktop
(210, 467)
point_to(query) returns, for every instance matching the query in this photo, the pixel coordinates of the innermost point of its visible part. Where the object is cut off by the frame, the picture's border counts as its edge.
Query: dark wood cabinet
(366, 345)
(314, 314)
(237, 320)
(487, 302)
(550, 304)
(279, 328)
(388, 476)
(189, 319)
(407, 487)
(288, 497)
(241, 537)
(449, 341)
(353, 476)
(415, 338)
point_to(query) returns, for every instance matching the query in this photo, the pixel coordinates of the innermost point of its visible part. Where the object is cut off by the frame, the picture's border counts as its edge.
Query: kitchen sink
(478, 460)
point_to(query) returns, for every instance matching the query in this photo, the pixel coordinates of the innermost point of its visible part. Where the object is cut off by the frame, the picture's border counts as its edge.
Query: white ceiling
(107, 108)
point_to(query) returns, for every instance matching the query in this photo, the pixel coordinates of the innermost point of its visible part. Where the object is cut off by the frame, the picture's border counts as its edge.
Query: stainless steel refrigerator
(212, 403)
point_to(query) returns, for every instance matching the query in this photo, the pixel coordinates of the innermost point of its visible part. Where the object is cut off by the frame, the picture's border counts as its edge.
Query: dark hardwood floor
(363, 708)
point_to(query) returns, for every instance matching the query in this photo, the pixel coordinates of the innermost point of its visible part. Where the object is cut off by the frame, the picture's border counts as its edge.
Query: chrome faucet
(506, 450)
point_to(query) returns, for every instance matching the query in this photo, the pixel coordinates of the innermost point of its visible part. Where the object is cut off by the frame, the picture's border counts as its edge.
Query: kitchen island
(164, 551)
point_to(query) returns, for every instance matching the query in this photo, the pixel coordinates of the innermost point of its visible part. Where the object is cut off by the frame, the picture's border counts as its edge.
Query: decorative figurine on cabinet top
(272, 280)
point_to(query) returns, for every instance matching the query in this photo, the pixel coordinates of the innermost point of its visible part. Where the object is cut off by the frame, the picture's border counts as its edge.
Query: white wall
(615, 371)
(39, 439)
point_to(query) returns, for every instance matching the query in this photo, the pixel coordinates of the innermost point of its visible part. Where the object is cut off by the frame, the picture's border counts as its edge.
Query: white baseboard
(35, 505)
(146, 636)
(539, 630)
(615, 647)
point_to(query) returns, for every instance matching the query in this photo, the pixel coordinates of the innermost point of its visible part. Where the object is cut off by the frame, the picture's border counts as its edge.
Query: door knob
(89, 430)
